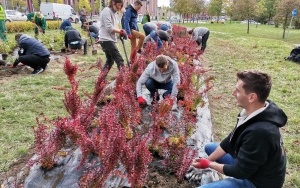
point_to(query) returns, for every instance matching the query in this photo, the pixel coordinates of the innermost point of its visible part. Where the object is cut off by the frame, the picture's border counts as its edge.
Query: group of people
(252, 155)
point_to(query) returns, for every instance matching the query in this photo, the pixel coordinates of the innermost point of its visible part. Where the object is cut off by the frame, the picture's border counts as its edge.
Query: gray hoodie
(152, 71)
(108, 22)
(199, 32)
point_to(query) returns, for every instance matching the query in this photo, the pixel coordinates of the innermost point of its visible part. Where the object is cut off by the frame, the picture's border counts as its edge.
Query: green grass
(229, 50)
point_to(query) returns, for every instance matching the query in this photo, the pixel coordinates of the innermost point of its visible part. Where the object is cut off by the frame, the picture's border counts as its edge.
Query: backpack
(294, 55)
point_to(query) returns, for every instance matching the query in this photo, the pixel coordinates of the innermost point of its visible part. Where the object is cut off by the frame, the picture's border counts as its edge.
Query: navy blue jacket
(66, 23)
(32, 46)
(130, 20)
(257, 147)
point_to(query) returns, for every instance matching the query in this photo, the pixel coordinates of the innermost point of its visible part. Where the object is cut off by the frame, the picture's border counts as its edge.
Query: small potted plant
(4, 50)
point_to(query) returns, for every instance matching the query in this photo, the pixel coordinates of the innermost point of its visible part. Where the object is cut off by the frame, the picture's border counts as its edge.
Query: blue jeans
(94, 35)
(147, 29)
(228, 182)
(156, 38)
(153, 86)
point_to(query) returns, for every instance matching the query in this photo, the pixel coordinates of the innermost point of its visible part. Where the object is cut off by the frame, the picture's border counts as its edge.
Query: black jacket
(72, 36)
(258, 149)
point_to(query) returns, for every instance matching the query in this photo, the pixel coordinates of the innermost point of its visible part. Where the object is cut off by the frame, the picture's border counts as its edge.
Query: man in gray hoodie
(200, 35)
(163, 73)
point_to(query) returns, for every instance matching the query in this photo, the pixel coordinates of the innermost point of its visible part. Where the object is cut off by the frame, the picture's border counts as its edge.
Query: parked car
(250, 22)
(173, 19)
(14, 15)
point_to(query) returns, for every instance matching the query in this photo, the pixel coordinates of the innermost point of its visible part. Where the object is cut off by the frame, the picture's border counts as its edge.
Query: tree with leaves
(86, 4)
(215, 8)
(245, 9)
(284, 12)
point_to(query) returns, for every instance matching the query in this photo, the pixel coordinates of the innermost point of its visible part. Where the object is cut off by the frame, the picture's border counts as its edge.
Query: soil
(157, 178)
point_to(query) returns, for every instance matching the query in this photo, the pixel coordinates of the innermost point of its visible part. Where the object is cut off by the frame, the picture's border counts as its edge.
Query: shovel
(94, 51)
(122, 40)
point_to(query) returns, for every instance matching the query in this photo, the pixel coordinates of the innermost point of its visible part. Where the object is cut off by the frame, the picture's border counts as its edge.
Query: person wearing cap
(163, 73)
(200, 35)
(163, 25)
(129, 23)
(32, 53)
(2, 23)
(39, 20)
(66, 24)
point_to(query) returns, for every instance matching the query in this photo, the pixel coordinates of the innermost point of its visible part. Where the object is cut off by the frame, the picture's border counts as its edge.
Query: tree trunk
(248, 28)
(284, 26)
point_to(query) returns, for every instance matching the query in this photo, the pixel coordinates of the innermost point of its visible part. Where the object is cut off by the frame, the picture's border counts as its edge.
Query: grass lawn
(229, 50)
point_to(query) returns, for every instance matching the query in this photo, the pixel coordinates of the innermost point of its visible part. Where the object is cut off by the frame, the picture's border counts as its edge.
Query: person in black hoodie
(252, 154)
(74, 41)
(31, 53)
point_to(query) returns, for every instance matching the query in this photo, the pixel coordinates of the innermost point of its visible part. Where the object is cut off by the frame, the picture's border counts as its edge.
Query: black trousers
(112, 55)
(34, 61)
(204, 40)
(83, 43)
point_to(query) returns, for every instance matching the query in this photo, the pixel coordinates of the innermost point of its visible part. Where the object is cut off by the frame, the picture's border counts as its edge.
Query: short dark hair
(17, 36)
(110, 4)
(161, 61)
(256, 82)
(70, 18)
(138, 2)
(191, 31)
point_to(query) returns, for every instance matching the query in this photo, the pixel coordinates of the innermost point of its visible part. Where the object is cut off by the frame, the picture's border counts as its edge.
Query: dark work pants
(112, 55)
(36, 31)
(79, 46)
(34, 61)
(204, 40)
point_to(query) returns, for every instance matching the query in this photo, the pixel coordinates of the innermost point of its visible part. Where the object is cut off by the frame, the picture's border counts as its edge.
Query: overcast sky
(163, 2)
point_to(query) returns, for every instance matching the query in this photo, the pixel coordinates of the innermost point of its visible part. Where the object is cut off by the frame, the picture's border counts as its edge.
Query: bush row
(21, 26)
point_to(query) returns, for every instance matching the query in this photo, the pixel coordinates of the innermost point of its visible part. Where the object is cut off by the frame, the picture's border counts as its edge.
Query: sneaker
(45, 67)
(37, 70)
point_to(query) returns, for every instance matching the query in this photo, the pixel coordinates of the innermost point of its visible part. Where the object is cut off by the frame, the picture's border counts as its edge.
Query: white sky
(163, 2)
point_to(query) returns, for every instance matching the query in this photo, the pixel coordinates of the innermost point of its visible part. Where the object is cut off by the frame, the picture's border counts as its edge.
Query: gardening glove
(130, 36)
(123, 34)
(201, 163)
(16, 63)
(194, 175)
(142, 101)
(11, 66)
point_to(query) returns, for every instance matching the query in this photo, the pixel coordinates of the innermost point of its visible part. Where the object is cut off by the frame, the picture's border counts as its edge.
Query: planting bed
(108, 140)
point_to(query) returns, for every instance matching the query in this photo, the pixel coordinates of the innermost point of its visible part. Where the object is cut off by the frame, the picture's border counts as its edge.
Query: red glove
(142, 101)
(122, 33)
(202, 163)
(130, 36)
(11, 66)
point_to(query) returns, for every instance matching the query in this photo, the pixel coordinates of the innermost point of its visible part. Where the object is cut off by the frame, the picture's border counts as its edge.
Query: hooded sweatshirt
(199, 32)
(152, 71)
(257, 146)
(32, 46)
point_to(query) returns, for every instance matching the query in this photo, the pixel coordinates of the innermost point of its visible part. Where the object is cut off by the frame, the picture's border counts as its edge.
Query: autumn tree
(215, 8)
(228, 6)
(181, 7)
(197, 6)
(245, 9)
(284, 12)
(270, 8)
(85, 3)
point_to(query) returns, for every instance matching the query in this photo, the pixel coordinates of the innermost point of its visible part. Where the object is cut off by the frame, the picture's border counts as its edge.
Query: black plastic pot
(4, 56)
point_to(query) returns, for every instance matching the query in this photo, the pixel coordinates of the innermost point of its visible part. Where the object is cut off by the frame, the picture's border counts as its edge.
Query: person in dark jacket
(73, 41)
(129, 23)
(32, 53)
(252, 154)
(82, 16)
(159, 36)
(148, 27)
(66, 24)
